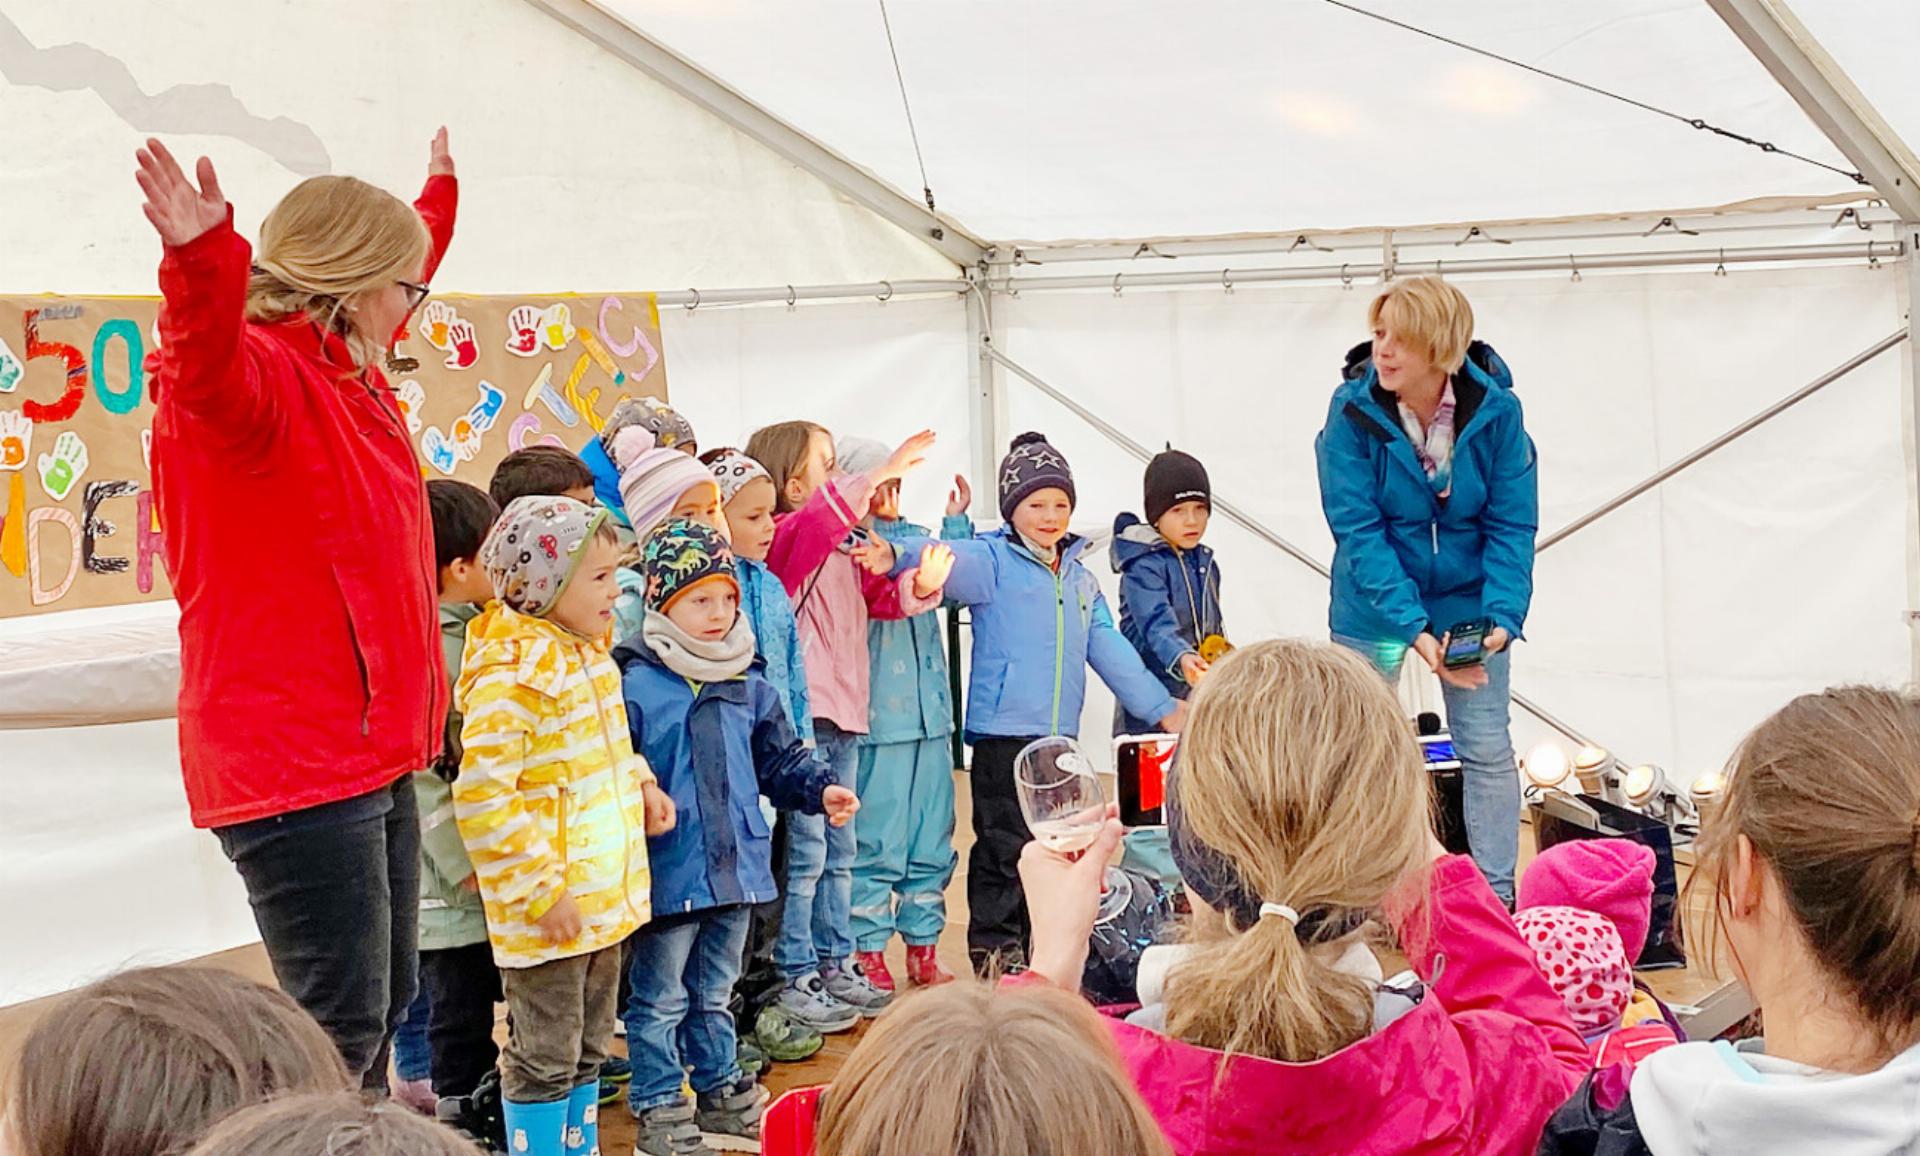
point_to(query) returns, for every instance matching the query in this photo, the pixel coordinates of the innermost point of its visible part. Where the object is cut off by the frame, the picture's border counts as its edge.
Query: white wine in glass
(1059, 794)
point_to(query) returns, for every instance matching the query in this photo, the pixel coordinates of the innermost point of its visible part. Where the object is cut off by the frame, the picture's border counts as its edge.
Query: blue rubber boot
(537, 1129)
(583, 1120)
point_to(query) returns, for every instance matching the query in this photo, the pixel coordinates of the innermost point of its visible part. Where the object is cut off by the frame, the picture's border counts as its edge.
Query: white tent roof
(1135, 119)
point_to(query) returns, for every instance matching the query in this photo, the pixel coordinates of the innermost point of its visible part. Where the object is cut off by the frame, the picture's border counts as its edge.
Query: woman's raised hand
(439, 160)
(179, 211)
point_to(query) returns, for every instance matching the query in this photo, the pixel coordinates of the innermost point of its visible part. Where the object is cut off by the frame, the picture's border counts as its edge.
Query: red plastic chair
(786, 1128)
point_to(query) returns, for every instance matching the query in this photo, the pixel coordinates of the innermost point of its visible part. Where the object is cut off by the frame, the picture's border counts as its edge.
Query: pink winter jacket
(834, 597)
(1474, 1069)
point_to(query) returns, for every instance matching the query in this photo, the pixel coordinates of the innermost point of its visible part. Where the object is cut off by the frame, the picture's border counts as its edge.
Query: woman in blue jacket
(1429, 483)
(1039, 620)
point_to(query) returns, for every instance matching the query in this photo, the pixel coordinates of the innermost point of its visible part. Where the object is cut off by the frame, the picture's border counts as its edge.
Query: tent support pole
(1910, 366)
(1744, 428)
(650, 56)
(986, 395)
(1245, 520)
(1777, 39)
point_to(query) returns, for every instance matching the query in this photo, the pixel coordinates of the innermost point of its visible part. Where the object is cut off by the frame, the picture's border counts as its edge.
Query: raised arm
(439, 200)
(806, 538)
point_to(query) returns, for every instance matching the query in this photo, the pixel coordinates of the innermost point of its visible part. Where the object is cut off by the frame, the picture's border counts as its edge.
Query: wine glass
(1059, 795)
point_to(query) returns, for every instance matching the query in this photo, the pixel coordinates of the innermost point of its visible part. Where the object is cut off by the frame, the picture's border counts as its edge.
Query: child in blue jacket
(1039, 620)
(716, 735)
(1169, 582)
(906, 855)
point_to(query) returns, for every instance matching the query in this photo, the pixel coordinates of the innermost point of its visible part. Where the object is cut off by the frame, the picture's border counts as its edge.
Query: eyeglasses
(416, 293)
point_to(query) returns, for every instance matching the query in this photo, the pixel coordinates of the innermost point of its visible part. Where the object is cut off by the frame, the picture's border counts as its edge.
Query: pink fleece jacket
(834, 597)
(1476, 1067)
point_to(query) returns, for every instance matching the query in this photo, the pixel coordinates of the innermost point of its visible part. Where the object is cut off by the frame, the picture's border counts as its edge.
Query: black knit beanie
(1030, 465)
(1172, 478)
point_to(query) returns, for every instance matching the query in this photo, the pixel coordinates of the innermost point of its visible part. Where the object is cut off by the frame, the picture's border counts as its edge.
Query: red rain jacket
(299, 544)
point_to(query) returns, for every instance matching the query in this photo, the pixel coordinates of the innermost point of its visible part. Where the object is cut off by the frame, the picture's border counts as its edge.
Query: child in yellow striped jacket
(554, 806)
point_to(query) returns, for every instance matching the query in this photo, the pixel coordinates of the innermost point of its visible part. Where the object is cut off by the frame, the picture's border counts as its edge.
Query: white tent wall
(1775, 566)
(579, 173)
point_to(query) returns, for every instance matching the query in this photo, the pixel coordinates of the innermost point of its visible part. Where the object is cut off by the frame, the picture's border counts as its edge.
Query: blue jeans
(683, 972)
(1479, 722)
(816, 925)
(412, 1058)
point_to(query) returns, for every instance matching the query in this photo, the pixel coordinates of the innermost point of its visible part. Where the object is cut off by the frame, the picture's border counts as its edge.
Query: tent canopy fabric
(1133, 119)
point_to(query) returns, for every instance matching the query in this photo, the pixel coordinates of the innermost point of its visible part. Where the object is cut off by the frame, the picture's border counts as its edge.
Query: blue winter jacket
(776, 639)
(715, 749)
(1406, 561)
(1035, 631)
(1169, 601)
(910, 698)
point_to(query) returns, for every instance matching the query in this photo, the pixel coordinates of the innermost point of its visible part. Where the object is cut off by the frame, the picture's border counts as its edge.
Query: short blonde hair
(1297, 768)
(330, 239)
(977, 1070)
(1428, 314)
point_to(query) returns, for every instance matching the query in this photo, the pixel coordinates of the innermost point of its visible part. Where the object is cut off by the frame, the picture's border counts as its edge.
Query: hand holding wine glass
(1059, 794)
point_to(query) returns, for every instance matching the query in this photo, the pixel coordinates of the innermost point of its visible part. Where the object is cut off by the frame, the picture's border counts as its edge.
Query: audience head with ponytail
(1299, 807)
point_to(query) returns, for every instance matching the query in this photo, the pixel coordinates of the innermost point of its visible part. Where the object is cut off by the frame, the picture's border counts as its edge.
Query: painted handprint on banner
(439, 452)
(486, 411)
(556, 326)
(16, 438)
(412, 400)
(11, 371)
(436, 325)
(465, 345)
(523, 331)
(60, 469)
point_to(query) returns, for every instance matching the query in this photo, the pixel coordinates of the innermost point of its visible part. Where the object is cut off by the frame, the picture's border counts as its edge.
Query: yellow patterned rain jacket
(549, 796)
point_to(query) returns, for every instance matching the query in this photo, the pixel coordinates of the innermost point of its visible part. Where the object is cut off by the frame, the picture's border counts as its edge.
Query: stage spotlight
(1590, 764)
(1643, 786)
(1707, 788)
(1547, 767)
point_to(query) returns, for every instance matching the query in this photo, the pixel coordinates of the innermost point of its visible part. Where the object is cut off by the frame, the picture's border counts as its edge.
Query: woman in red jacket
(1300, 812)
(298, 543)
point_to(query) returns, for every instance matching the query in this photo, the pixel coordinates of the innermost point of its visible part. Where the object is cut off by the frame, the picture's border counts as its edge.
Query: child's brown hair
(976, 1070)
(340, 1124)
(1827, 790)
(142, 1063)
(782, 448)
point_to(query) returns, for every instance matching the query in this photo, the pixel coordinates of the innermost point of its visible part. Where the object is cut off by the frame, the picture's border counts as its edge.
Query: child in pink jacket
(835, 575)
(1272, 1030)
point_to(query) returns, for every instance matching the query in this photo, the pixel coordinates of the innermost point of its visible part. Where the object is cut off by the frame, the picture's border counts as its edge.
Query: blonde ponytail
(1298, 769)
(327, 241)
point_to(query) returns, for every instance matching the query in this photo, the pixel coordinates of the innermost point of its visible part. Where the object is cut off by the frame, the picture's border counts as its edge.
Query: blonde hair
(977, 1070)
(1298, 768)
(328, 240)
(145, 1061)
(1428, 314)
(1827, 790)
(782, 449)
(340, 1124)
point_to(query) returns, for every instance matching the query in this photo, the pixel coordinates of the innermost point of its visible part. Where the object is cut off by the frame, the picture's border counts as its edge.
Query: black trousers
(335, 891)
(996, 906)
(462, 986)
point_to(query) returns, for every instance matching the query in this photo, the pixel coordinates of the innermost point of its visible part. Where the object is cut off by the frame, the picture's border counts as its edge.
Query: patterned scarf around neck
(1434, 443)
(697, 659)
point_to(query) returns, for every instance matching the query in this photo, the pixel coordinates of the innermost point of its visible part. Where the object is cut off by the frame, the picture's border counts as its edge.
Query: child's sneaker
(807, 1001)
(923, 966)
(848, 984)
(784, 1039)
(747, 1053)
(615, 1074)
(669, 1130)
(729, 1118)
(874, 964)
(478, 1116)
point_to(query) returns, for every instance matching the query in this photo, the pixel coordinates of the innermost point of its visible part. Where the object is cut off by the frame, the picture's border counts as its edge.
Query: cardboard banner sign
(79, 526)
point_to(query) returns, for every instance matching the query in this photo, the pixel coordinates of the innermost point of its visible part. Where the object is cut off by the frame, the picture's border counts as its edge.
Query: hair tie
(1282, 911)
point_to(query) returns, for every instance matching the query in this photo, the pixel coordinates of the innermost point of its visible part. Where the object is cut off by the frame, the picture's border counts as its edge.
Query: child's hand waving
(877, 556)
(936, 562)
(839, 803)
(661, 815)
(909, 457)
(960, 498)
